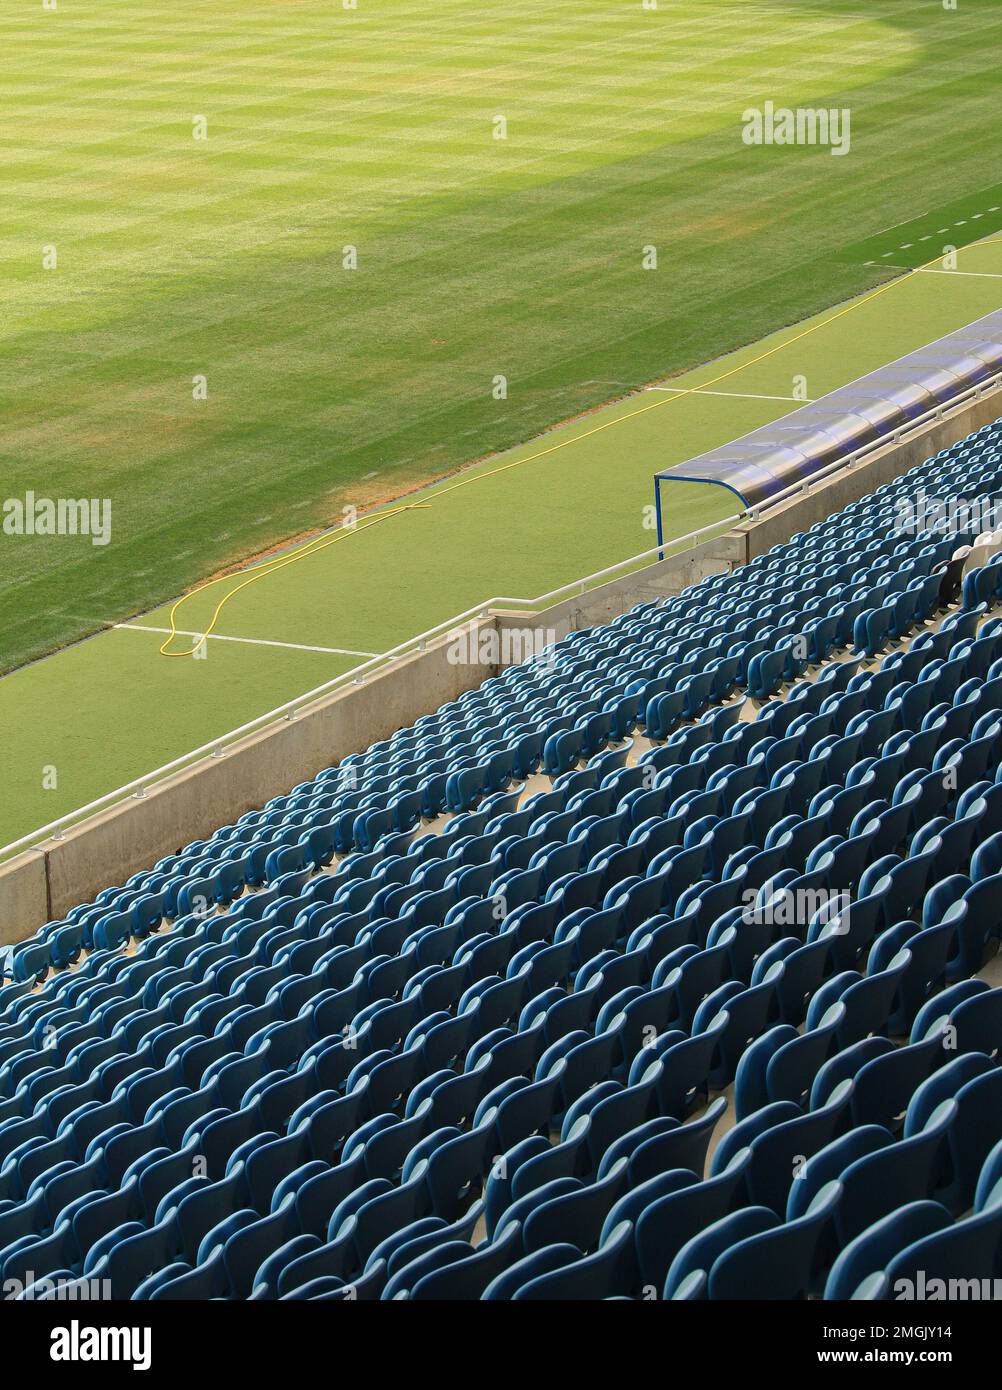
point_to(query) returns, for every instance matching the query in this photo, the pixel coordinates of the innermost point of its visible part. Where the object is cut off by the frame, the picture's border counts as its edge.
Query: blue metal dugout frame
(794, 449)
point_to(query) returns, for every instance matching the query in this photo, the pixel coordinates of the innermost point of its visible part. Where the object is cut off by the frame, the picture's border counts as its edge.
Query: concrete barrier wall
(24, 898)
(110, 846)
(43, 884)
(518, 630)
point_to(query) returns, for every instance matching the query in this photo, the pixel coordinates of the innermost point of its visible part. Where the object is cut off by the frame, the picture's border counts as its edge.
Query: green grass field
(178, 257)
(476, 257)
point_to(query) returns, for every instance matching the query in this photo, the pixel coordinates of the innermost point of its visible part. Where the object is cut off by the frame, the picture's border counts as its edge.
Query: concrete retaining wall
(110, 846)
(24, 898)
(607, 601)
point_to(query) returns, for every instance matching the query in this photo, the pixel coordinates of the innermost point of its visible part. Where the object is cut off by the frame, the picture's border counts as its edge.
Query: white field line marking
(250, 641)
(943, 231)
(975, 217)
(734, 395)
(971, 274)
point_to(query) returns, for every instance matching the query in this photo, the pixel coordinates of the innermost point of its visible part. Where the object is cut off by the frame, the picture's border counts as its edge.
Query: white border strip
(733, 395)
(250, 641)
(967, 274)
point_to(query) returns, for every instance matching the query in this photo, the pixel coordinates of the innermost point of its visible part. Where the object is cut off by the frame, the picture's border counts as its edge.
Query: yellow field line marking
(270, 567)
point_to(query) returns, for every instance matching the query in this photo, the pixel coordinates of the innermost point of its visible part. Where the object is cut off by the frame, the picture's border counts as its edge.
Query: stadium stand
(414, 1030)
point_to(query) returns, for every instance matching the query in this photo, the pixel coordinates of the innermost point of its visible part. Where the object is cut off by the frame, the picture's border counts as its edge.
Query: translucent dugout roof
(791, 450)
